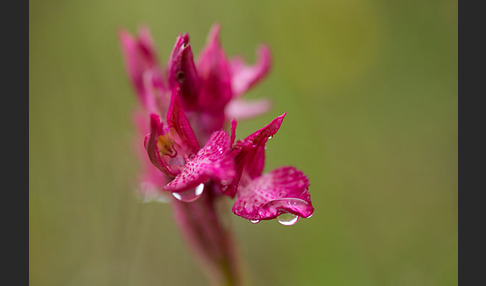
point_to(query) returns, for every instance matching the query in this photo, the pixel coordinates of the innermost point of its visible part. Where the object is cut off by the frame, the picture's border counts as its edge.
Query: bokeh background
(370, 88)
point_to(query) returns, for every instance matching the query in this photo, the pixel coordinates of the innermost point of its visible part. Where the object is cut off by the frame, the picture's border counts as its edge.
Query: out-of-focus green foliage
(370, 88)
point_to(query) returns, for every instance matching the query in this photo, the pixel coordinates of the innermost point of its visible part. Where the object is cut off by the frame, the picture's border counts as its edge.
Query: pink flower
(184, 110)
(283, 191)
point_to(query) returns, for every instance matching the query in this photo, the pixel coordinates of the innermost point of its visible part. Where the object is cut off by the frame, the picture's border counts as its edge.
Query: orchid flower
(184, 110)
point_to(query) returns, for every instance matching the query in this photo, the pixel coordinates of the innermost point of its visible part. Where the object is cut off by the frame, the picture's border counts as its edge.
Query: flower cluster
(185, 108)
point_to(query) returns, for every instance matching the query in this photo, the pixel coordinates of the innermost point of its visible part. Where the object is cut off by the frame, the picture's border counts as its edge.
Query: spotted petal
(283, 190)
(211, 162)
(245, 76)
(250, 153)
(183, 74)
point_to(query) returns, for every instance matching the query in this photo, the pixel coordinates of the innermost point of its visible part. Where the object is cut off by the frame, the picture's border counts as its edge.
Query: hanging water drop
(254, 220)
(189, 195)
(287, 219)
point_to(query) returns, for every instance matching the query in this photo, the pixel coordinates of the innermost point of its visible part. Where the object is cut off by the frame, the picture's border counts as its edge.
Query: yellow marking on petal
(164, 144)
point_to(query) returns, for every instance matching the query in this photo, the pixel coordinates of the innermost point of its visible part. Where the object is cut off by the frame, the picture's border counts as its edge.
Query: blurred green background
(370, 88)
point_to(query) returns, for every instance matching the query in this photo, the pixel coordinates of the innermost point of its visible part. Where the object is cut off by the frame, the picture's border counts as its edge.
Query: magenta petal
(254, 150)
(244, 76)
(151, 180)
(183, 74)
(261, 136)
(139, 54)
(243, 109)
(157, 144)
(181, 130)
(214, 161)
(283, 190)
(214, 72)
(157, 98)
(250, 154)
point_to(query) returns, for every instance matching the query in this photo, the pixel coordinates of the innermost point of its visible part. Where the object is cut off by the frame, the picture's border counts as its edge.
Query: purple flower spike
(183, 74)
(189, 104)
(283, 190)
(214, 161)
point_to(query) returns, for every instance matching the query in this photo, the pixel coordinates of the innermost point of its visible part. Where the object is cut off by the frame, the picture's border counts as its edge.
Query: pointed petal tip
(154, 120)
(213, 35)
(125, 37)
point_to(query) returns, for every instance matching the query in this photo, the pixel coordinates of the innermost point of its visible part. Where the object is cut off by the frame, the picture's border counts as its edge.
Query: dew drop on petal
(189, 195)
(254, 220)
(296, 202)
(287, 219)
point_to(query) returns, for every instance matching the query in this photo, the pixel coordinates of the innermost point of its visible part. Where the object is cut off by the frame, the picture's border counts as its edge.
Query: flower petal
(139, 54)
(249, 154)
(159, 145)
(214, 72)
(181, 130)
(182, 72)
(214, 161)
(261, 136)
(244, 76)
(157, 98)
(284, 190)
(151, 180)
(243, 109)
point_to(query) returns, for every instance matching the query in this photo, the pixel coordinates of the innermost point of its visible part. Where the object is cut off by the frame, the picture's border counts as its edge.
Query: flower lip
(283, 190)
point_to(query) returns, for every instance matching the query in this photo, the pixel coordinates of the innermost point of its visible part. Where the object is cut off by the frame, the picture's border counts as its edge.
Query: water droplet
(254, 220)
(296, 202)
(189, 195)
(270, 137)
(287, 219)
